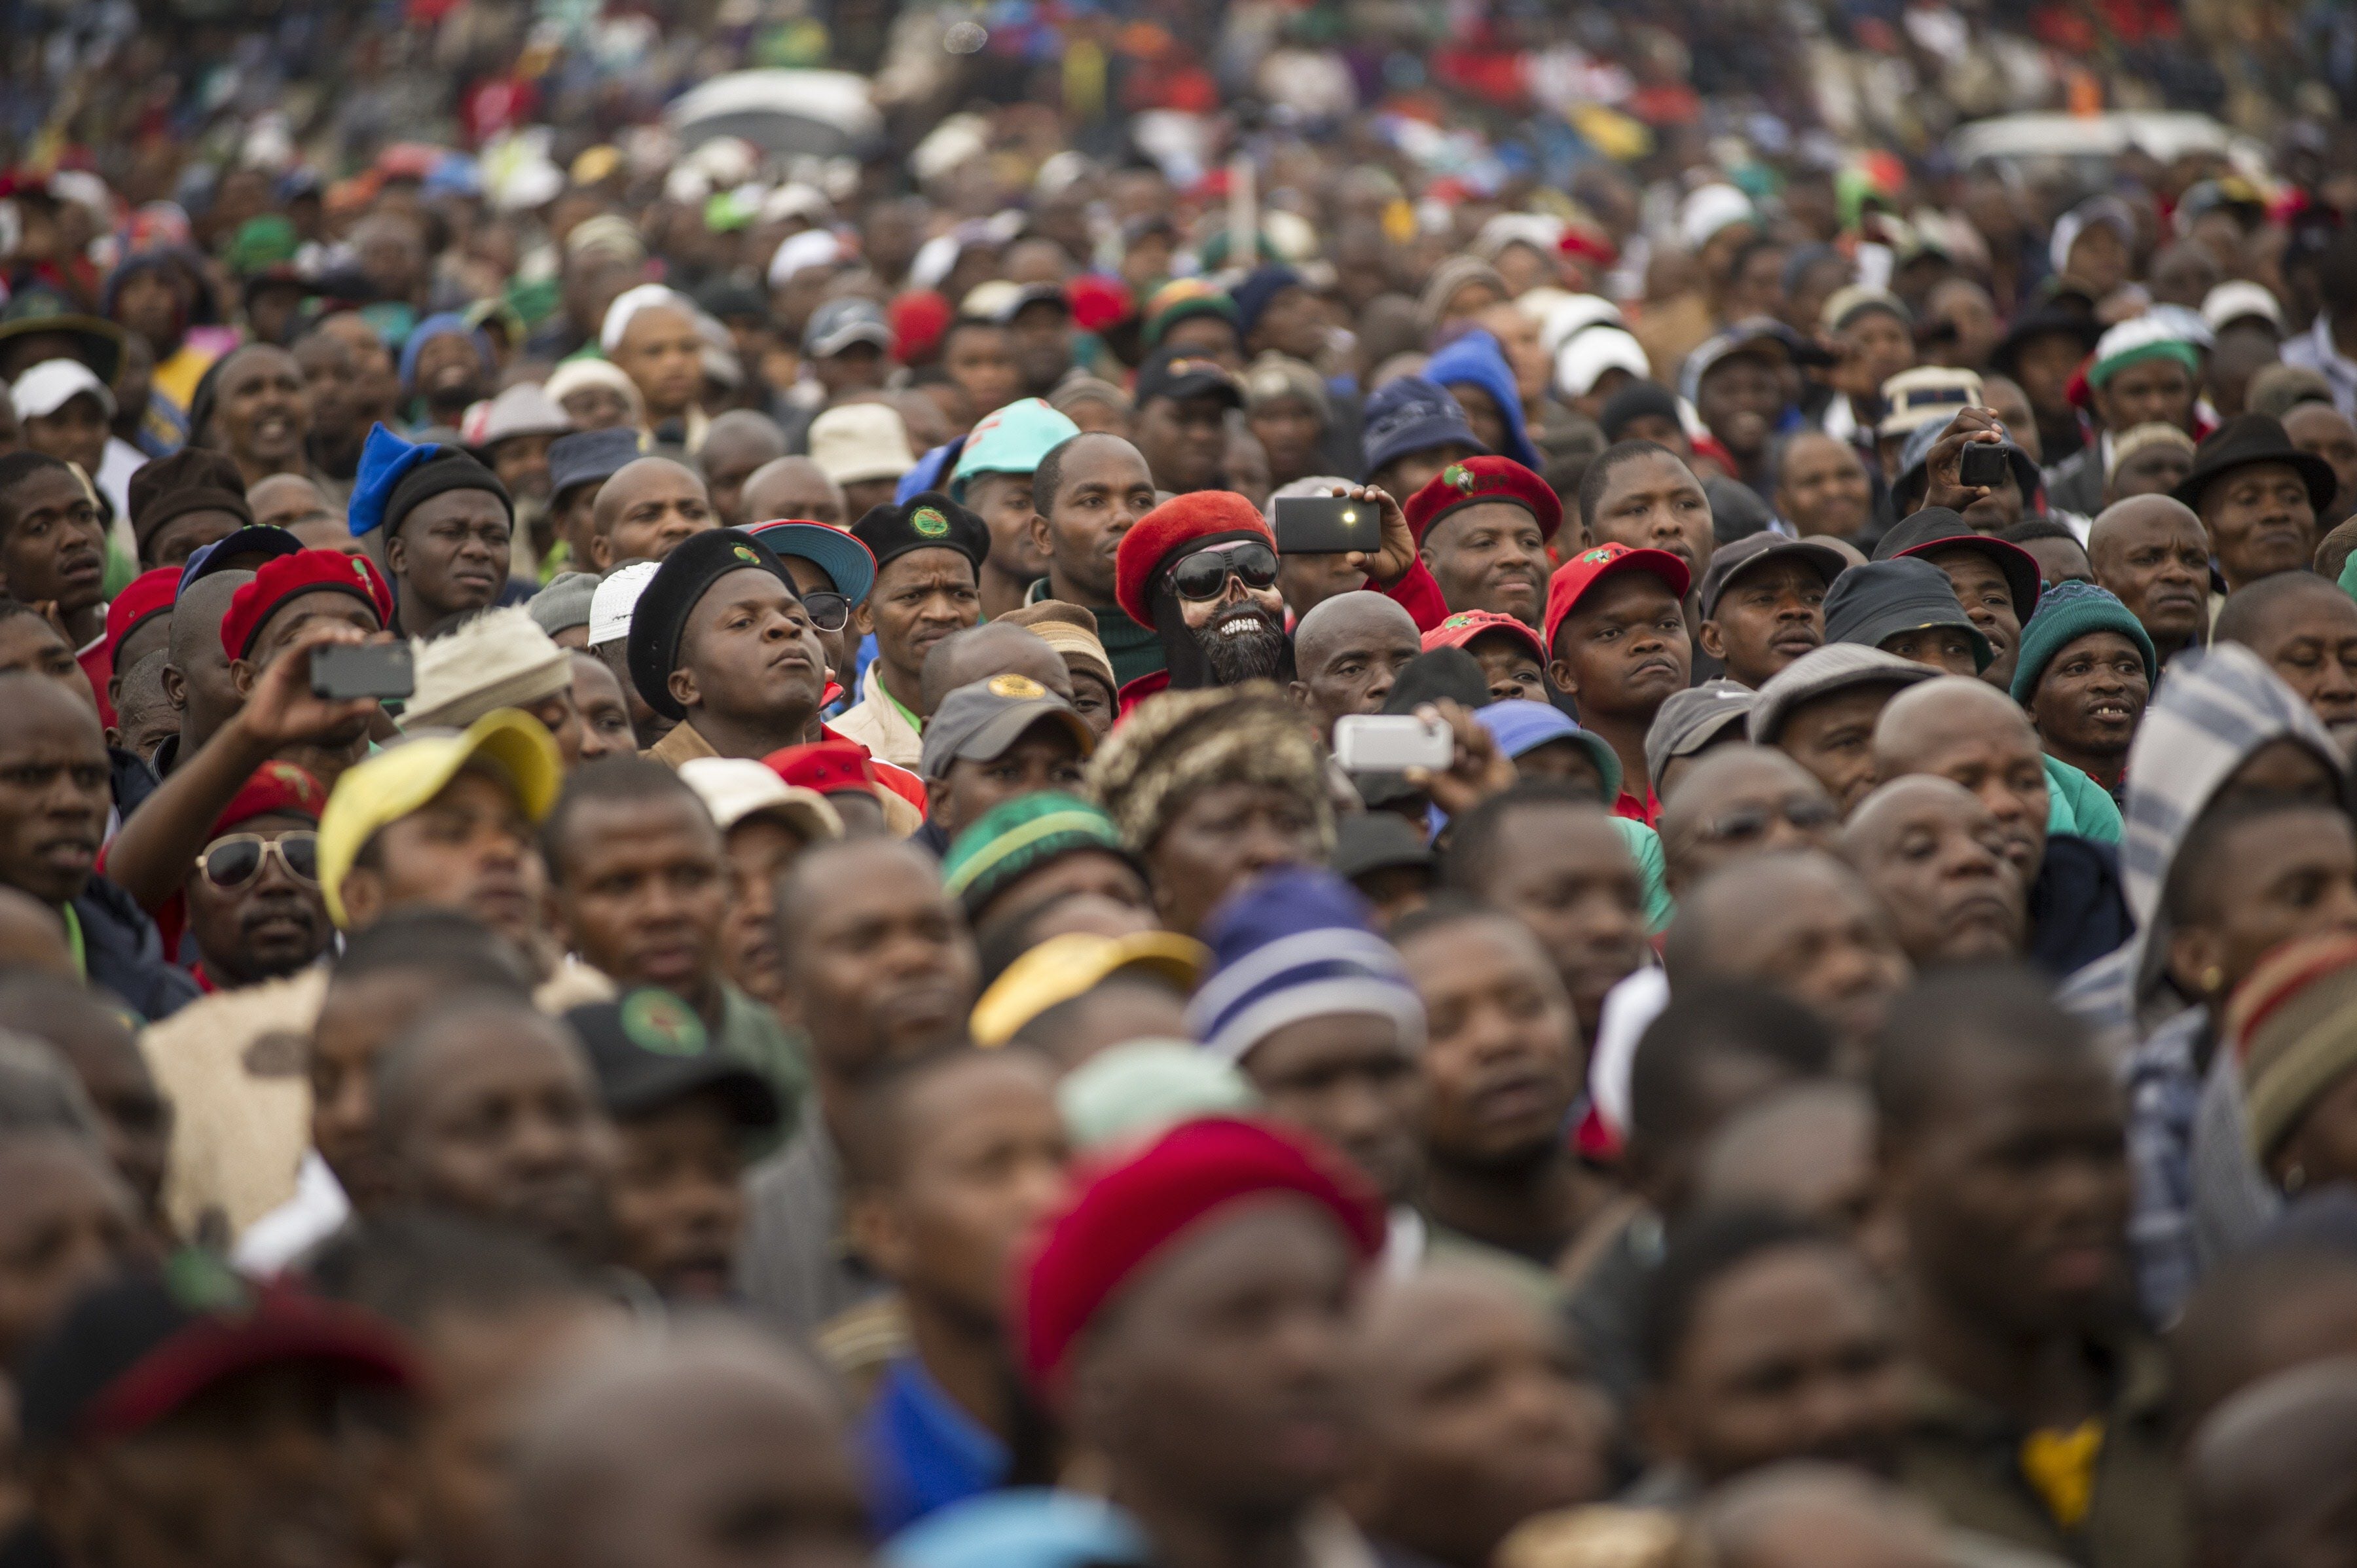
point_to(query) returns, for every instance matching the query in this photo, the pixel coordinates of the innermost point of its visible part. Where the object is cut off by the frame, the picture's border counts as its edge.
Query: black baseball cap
(650, 1051)
(1177, 371)
(1729, 561)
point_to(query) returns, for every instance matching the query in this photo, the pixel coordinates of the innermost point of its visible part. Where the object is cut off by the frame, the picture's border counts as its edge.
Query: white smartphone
(1391, 743)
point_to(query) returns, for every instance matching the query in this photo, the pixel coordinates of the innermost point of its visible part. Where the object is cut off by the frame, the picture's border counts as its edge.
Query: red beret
(145, 596)
(1589, 568)
(274, 787)
(1471, 481)
(829, 767)
(305, 572)
(1122, 1215)
(1197, 517)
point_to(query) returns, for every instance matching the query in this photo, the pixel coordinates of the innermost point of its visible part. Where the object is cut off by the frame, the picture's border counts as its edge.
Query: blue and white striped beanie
(1293, 944)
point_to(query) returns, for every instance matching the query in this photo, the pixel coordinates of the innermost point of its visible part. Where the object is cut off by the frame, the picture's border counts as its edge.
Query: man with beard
(1201, 571)
(928, 555)
(1481, 528)
(252, 898)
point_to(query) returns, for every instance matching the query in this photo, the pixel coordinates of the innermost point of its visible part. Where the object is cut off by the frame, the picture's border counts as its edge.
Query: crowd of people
(684, 870)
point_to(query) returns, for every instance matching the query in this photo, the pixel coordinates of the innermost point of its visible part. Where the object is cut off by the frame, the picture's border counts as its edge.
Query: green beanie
(1019, 836)
(2067, 612)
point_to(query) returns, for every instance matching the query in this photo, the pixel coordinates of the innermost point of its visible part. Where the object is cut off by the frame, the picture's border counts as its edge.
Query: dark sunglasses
(1205, 574)
(828, 612)
(230, 862)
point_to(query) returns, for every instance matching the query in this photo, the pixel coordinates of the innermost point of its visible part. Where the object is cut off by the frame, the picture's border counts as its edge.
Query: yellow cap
(400, 778)
(1062, 967)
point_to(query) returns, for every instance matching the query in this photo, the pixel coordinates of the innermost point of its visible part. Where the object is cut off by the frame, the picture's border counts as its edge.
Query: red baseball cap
(145, 596)
(1199, 517)
(305, 572)
(829, 767)
(1474, 480)
(1459, 630)
(1584, 571)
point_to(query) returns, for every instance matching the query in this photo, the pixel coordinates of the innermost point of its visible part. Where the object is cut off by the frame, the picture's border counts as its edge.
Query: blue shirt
(923, 1452)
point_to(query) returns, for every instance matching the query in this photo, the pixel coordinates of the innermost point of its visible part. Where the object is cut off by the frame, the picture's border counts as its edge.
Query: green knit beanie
(2067, 612)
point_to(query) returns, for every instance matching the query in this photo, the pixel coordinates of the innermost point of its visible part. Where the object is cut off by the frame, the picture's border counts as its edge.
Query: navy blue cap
(1411, 414)
(589, 456)
(244, 548)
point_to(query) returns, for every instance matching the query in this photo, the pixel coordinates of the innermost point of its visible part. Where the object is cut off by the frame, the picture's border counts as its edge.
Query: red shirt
(1647, 810)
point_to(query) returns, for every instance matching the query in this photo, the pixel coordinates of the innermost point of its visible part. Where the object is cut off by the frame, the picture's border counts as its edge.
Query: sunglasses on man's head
(229, 863)
(1205, 574)
(828, 612)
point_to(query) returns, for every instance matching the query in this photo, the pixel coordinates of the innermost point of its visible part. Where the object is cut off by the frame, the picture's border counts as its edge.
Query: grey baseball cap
(1836, 667)
(1694, 718)
(979, 722)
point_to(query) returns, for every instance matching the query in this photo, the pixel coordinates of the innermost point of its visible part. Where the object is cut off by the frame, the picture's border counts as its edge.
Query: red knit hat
(1099, 302)
(145, 596)
(274, 787)
(828, 766)
(1121, 1216)
(305, 572)
(1461, 628)
(1585, 570)
(1473, 480)
(1199, 516)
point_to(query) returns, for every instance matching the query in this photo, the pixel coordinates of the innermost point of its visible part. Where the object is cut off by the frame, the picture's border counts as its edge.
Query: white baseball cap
(2234, 301)
(617, 597)
(51, 384)
(736, 787)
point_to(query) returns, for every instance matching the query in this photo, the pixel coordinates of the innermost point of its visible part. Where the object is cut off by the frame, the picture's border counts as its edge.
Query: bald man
(2267, 1476)
(293, 503)
(1476, 1418)
(2153, 553)
(1347, 654)
(1822, 487)
(33, 937)
(1969, 733)
(196, 668)
(1800, 923)
(1740, 800)
(794, 487)
(1935, 857)
(981, 651)
(711, 1443)
(734, 448)
(645, 510)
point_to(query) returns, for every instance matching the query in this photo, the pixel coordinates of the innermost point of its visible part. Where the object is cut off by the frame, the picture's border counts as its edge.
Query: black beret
(929, 521)
(686, 575)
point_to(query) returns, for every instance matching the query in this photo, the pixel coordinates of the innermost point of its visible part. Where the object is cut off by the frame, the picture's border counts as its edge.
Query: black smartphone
(1982, 463)
(1325, 525)
(378, 669)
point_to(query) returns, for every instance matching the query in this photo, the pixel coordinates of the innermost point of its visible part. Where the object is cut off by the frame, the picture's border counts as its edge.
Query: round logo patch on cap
(1459, 477)
(1601, 554)
(746, 555)
(1021, 688)
(929, 521)
(659, 1022)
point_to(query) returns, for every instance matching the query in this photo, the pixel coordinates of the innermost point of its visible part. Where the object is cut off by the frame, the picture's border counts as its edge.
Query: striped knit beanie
(2293, 1025)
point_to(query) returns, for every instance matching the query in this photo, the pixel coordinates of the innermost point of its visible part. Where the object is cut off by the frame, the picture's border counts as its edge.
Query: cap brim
(751, 1103)
(1876, 633)
(868, 332)
(253, 538)
(1164, 954)
(1423, 436)
(1004, 729)
(844, 559)
(1829, 561)
(2317, 474)
(1222, 387)
(101, 340)
(210, 1352)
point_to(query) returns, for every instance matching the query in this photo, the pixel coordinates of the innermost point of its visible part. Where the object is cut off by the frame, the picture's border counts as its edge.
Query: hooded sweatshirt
(2218, 706)
(1476, 358)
